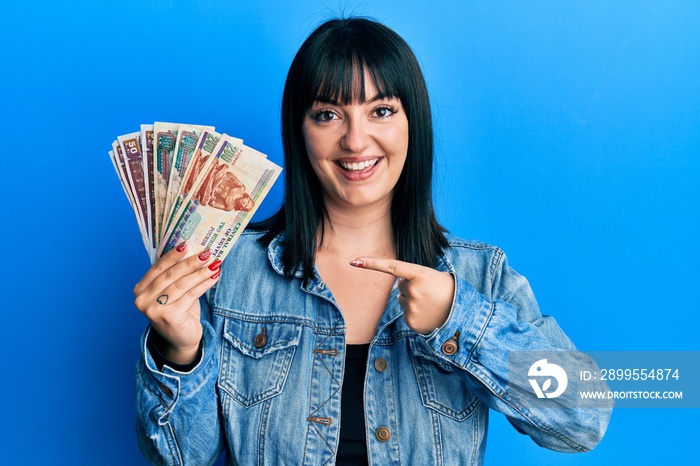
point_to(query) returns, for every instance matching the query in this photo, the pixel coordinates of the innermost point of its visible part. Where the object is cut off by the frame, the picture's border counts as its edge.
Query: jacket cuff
(154, 341)
(456, 339)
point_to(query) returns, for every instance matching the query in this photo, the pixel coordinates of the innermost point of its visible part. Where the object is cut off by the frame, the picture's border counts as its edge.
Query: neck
(359, 231)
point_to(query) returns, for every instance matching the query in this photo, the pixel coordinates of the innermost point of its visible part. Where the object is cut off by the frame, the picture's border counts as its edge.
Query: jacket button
(380, 364)
(260, 340)
(449, 347)
(165, 389)
(383, 434)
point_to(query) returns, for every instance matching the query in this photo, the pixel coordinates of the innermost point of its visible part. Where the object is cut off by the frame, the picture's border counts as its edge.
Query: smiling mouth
(358, 167)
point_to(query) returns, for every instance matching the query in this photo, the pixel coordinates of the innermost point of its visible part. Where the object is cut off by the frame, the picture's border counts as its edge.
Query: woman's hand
(168, 295)
(424, 294)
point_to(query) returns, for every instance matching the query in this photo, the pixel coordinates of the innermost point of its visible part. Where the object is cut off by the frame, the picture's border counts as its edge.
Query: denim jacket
(269, 381)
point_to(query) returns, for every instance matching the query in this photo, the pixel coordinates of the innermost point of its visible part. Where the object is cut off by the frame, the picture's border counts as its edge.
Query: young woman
(349, 328)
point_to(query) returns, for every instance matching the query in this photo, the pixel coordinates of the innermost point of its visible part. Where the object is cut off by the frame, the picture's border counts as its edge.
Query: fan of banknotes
(190, 183)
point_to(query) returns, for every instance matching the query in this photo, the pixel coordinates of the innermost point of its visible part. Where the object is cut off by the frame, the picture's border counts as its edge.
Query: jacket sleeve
(177, 418)
(483, 333)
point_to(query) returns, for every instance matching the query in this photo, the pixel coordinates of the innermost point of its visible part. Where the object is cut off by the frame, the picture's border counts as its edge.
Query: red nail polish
(215, 265)
(205, 255)
(357, 263)
(216, 275)
(182, 246)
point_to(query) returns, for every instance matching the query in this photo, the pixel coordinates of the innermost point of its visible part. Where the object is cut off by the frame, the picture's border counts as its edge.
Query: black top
(352, 448)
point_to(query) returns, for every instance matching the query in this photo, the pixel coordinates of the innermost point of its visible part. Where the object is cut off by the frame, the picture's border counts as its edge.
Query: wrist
(181, 356)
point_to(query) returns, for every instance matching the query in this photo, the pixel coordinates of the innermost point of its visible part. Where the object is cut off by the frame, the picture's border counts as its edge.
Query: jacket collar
(274, 254)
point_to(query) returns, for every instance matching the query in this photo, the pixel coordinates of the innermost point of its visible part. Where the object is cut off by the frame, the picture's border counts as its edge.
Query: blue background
(567, 133)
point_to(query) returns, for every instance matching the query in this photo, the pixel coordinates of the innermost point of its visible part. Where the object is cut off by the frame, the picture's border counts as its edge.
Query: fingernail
(205, 255)
(215, 265)
(216, 275)
(182, 246)
(357, 263)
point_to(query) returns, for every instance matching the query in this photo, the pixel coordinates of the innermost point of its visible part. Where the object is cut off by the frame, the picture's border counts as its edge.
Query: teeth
(355, 166)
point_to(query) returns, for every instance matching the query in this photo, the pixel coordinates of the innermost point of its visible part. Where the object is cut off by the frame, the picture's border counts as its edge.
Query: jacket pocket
(256, 359)
(441, 385)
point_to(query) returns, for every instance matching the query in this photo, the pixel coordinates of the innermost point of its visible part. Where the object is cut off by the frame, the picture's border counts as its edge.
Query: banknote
(222, 200)
(200, 161)
(124, 172)
(212, 185)
(122, 167)
(131, 150)
(146, 140)
(164, 140)
(187, 138)
(121, 173)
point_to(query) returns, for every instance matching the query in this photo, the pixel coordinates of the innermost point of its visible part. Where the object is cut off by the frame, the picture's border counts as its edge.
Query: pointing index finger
(394, 267)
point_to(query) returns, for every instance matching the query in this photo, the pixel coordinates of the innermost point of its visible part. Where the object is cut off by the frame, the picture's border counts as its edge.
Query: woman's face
(357, 150)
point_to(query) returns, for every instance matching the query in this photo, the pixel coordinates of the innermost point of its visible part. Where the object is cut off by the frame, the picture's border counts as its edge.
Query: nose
(356, 137)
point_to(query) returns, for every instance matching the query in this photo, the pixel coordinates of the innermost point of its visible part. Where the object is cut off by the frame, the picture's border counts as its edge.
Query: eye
(324, 115)
(384, 111)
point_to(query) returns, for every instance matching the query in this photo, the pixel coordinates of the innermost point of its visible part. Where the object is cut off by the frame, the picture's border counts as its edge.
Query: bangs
(337, 72)
(344, 83)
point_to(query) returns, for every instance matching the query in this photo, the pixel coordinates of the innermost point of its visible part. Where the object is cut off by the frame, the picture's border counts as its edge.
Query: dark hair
(325, 67)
